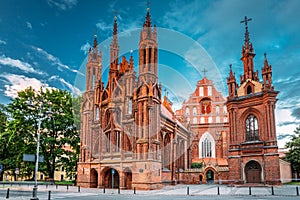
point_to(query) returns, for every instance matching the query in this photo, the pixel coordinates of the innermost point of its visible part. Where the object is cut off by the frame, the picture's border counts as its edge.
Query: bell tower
(253, 153)
(89, 133)
(146, 102)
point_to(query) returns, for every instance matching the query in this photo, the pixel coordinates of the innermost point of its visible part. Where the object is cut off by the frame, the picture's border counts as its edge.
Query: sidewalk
(193, 190)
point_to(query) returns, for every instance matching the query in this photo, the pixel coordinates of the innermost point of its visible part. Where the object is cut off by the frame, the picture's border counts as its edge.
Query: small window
(97, 114)
(201, 91)
(194, 111)
(130, 107)
(224, 109)
(249, 89)
(217, 119)
(195, 120)
(202, 120)
(209, 91)
(210, 120)
(187, 111)
(217, 109)
(225, 119)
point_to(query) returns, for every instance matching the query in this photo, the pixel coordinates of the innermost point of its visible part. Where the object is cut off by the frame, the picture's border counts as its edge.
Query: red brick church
(130, 137)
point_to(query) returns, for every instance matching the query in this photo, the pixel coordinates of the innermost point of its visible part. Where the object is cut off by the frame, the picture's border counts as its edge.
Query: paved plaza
(169, 192)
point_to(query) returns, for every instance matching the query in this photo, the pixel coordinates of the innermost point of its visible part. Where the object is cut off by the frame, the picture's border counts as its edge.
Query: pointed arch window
(117, 141)
(130, 107)
(107, 145)
(207, 146)
(251, 128)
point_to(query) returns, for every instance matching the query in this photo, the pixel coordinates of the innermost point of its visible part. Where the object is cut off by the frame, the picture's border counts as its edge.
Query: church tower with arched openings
(147, 105)
(253, 152)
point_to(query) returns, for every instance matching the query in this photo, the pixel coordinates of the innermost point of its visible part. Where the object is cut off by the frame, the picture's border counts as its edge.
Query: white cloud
(63, 4)
(74, 90)
(3, 42)
(18, 83)
(55, 61)
(28, 24)
(85, 48)
(24, 66)
(103, 26)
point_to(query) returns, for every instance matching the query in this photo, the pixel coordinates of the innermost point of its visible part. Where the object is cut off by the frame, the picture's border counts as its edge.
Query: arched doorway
(94, 178)
(210, 177)
(111, 178)
(253, 172)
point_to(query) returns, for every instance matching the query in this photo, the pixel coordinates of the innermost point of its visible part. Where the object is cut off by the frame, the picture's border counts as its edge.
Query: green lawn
(292, 183)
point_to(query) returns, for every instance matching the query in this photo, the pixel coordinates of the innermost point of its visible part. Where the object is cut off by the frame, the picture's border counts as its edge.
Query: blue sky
(44, 43)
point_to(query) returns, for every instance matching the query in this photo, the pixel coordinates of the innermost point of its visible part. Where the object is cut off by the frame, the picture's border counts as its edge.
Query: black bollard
(78, 188)
(56, 186)
(104, 190)
(188, 190)
(7, 193)
(134, 192)
(249, 190)
(67, 187)
(49, 195)
(272, 190)
(46, 185)
(118, 190)
(218, 190)
(297, 191)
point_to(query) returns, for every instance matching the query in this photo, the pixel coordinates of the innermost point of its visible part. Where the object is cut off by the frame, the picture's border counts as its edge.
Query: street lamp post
(35, 187)
(34, 196)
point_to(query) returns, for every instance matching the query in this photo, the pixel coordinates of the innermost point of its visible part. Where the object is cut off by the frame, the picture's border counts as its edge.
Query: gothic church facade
(131, 138)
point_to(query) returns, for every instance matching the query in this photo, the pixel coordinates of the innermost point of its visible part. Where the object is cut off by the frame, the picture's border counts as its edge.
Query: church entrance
(253, 172)
(111, 178)
(94, 178)
(210, 177)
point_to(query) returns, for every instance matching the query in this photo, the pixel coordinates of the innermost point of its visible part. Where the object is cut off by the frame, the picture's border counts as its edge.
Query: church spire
(114, 47)
(247, 56)
(148, 49)
(147, 22)
(95, 41)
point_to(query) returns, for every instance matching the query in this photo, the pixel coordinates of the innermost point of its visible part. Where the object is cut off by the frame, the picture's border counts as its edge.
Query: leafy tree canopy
(293, 156)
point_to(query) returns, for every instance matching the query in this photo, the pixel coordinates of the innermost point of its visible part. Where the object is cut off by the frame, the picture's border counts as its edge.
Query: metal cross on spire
(246, 20)
(204, 71)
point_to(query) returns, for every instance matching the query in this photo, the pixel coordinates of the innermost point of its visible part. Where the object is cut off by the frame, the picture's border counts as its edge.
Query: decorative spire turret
(95, 41)
(131, 61)
(231, 83)
(267, 74)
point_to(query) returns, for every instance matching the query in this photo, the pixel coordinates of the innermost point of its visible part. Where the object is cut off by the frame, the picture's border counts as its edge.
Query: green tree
(58, 132)
(293, 156)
